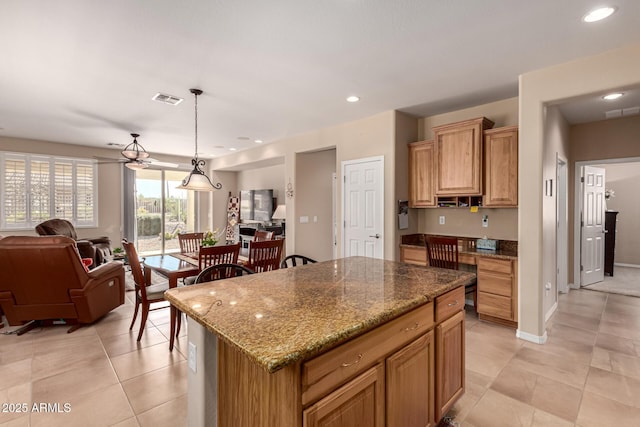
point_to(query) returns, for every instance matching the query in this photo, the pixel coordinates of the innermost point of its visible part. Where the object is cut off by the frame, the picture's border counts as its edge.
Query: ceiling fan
(136, 157)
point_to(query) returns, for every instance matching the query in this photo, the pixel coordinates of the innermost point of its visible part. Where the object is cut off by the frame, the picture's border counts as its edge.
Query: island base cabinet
(450, 367)
(360, 402)
(410, 384)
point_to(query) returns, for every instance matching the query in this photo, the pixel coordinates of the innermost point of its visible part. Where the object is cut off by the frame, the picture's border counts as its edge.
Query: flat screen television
(256, 205)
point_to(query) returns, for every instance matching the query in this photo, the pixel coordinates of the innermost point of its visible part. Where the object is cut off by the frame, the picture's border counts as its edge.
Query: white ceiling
(84, 71)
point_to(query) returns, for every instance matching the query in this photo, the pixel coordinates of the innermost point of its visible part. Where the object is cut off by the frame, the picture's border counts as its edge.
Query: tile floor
(588, 373)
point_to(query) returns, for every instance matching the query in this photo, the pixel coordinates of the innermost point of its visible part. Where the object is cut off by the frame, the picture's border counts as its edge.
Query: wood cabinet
(388, 376)
(410, 384)
(458, 157)
(498, 291)
(450, 367)
(501, 167)
(421, 174)
(359, 402)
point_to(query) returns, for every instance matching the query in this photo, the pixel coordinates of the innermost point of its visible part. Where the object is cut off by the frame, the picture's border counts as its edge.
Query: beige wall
(503, 223)
(602, 140)
(624, 179)
(368, 137)
(406, 131)
(556, 145)
(611, 70)
(109, 182)
(267, 178)
(314, 178)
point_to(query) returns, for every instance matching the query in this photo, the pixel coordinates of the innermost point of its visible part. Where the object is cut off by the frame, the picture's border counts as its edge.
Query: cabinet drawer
(449, 304)
(494, 265)
(466, 259)
(327, 371)
(495, 305)
(417, 255)
(498, 284)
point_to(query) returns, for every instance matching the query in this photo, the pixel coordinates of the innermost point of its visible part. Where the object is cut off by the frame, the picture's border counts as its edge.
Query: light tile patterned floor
(588, 373)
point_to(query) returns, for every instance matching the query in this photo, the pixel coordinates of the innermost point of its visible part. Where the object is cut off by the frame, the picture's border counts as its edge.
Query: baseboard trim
(536, 339)
(626, 265)
(574, 285)
(552, 310)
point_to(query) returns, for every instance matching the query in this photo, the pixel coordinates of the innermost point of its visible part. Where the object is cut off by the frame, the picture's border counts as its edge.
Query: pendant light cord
(196, 154)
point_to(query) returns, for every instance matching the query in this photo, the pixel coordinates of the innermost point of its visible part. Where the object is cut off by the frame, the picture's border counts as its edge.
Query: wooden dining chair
(212, 255)
(265, 255)
(190, 242)
(146, 293)
(294, 260)
(442, 252)
(262, 235)
(222, 271)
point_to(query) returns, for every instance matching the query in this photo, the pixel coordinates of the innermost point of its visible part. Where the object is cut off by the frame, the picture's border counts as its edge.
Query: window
(36, 188)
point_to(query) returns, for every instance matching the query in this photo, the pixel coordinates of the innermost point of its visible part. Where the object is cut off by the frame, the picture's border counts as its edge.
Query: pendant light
(134, 151)
(197, 180)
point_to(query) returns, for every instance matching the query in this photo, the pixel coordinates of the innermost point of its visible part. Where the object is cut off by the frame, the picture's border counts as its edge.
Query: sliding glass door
(162, 211)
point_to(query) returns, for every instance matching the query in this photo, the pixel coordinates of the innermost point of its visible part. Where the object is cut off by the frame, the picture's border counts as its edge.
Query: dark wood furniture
(610, 219)
(294, 260)
(442, 252)
(146, 293)
(222, 271)
(265, 255)
(190, 242)
(172, 268)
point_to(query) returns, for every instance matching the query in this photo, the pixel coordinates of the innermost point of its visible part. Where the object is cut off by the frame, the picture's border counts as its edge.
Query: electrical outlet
(441, 220)
(193, 357)
(485, 220)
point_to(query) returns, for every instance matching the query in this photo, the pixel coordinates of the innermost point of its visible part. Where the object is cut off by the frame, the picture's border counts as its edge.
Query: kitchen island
(357, 340)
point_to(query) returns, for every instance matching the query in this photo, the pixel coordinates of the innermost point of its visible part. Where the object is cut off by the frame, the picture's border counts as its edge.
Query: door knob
(377, 236)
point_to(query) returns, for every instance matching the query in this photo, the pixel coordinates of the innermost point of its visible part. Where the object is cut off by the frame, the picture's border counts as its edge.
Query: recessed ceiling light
(353, 98)
(613, 96)
(599, 14)
(258, 141)
(232, 149)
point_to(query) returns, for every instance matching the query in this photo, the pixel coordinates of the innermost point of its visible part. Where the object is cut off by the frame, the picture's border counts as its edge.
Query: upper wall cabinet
(501, 167)
(421, 174)
(458, 161)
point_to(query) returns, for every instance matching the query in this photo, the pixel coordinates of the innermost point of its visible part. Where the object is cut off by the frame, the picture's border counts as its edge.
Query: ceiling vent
(167, 99)
(611, 114)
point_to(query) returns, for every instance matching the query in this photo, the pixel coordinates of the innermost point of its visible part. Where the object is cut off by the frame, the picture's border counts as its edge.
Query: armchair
(42, 278)
(98, 248)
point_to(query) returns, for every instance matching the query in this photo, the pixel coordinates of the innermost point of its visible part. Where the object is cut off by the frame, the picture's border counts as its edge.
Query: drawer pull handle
(451, 304)
(413, 328)
(346, 365)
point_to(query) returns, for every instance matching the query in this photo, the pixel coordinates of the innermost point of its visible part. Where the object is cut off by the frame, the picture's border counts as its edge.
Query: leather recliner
(98, 249)
(42, 278)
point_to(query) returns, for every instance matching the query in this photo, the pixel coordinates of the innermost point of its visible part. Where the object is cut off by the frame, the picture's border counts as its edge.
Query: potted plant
(210, 238)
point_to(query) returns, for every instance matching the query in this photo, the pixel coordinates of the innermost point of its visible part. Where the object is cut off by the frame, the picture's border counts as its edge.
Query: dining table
(173, 267)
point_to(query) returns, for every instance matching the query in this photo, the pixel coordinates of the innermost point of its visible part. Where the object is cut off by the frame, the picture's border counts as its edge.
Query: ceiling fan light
(134, 151)
(136, 165)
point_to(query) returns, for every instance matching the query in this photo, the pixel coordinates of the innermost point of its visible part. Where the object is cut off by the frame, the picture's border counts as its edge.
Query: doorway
(363, 207)
(161, 211)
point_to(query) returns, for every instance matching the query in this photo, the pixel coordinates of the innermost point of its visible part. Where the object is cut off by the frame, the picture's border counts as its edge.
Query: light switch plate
(304, 219)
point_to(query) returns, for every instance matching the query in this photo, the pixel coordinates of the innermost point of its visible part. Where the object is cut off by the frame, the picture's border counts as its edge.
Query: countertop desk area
(293, 346)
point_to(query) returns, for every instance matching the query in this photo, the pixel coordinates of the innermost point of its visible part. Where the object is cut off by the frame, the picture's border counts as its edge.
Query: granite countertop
(508, 249)
(290, 315)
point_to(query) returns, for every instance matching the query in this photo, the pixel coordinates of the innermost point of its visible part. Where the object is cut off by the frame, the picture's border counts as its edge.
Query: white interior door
(592, 245)
(363, 207)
